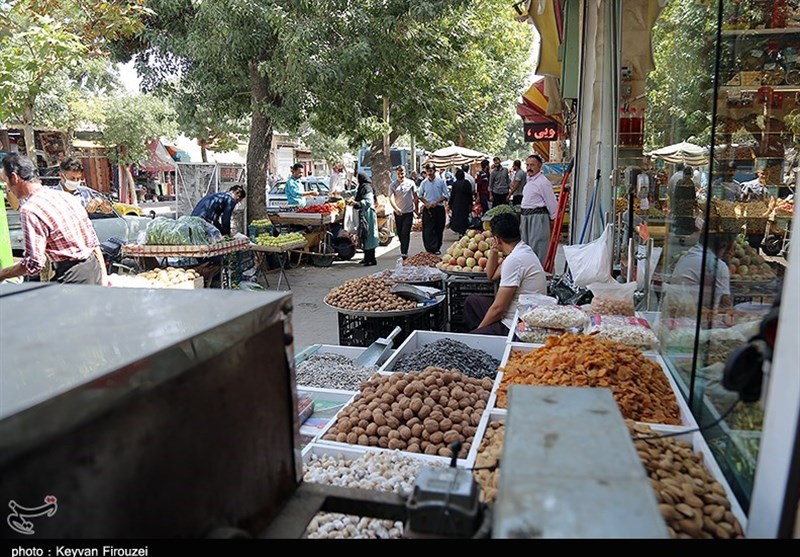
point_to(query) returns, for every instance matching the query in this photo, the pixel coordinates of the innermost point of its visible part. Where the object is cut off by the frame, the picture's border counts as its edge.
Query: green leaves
(130, 123)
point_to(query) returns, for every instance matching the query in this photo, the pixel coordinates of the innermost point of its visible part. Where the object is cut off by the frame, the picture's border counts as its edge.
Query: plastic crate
(356, 330)
(458, 289)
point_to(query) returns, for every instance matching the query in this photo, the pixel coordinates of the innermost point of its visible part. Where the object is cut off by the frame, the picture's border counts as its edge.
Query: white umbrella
(684, 152)
(455, 156)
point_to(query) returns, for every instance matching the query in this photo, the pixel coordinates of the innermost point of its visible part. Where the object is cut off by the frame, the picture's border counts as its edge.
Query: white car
(107, 223)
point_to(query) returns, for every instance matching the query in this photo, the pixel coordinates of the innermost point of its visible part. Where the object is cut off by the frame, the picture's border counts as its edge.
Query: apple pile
(747, 264)
(469, 254)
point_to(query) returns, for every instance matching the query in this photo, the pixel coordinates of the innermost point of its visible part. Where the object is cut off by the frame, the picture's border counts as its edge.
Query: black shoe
(404, 256)
(370, 263)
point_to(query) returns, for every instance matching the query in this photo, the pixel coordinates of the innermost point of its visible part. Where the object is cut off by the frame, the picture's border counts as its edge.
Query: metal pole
(631, 260)
(647, 259)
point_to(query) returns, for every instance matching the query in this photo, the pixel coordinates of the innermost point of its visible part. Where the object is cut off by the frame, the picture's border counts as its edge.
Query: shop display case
(725, 251)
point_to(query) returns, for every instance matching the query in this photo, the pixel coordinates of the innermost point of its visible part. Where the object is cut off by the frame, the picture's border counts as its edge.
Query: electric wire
(687, 431)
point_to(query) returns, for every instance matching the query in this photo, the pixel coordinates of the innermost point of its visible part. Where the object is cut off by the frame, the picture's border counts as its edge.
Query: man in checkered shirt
(55, 226)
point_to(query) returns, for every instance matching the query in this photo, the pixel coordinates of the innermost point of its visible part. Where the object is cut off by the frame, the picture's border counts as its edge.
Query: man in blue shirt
(432, 194)
(217, 208)
(295, 192)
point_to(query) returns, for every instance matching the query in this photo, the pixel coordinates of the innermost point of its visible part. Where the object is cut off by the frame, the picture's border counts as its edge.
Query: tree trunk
(5, 142)
(131, 184)
(203, 152)
(30, 138)
(258, 148)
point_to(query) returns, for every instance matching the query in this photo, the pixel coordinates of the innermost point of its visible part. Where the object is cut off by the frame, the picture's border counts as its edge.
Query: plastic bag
(613, 298)
(536, 300)
(536, 335)
(591, 262)
(553, 317)
(631, 331)
(350, 223)
(415, 273)
(184, 231)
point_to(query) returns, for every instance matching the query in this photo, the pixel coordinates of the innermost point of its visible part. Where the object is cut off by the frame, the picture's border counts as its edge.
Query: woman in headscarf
(460, 203)
(368, 219)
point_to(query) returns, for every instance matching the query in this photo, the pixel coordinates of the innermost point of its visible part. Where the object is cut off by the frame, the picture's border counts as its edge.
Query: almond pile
(691, 501)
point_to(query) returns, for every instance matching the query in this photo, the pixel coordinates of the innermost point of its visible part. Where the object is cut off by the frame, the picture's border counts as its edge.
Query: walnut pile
(419, 412)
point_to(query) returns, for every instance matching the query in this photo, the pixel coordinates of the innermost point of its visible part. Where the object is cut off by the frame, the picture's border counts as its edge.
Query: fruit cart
(317, 229)
(142, 252)
(282, 253)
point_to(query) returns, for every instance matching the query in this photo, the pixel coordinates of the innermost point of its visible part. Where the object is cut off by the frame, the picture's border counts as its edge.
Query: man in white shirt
(404, 202)
(520, 273)
(539, 207)
(717, 276)
(677, 177)
(469, 178)
(337, 180)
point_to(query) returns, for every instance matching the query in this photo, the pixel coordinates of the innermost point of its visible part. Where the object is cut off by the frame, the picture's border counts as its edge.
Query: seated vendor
(520, 272)
(689, 269)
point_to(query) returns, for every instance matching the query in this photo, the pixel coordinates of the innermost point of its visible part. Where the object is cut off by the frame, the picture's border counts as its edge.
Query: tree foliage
(679, 89)
(129, 123)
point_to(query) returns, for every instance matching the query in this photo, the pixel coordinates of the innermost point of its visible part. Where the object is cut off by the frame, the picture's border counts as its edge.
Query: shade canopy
(455, 156)
(687, 153)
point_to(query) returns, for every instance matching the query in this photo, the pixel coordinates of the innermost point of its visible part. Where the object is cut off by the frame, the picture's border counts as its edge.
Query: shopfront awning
(548, 20)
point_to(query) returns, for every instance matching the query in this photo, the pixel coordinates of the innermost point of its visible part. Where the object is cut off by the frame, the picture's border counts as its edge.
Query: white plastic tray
(492, 345)
(687, 418)
(467, 462)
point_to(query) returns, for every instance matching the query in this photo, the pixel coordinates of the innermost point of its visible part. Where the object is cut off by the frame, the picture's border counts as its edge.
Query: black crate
(357, 330)
(458, 290)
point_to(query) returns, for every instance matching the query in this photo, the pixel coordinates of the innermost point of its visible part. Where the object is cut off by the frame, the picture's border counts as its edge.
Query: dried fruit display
(692, 502)
(640, 387)
(419, 412)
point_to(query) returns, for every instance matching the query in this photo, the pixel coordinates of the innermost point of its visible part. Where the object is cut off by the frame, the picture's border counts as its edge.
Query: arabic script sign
(540, 132)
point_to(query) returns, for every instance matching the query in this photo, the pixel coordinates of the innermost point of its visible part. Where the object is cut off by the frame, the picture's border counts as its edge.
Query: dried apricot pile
(639, 385)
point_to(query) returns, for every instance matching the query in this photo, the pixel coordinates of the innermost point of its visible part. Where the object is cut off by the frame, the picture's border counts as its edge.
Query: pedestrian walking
(433, 194)
(403, 199)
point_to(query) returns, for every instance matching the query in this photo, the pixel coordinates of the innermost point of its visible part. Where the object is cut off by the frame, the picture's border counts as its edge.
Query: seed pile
(450, 354)
(691, 501)
(418, 412)
(489, 454)
(640, 386)
(382, 471)
(368, 293)
(332, 371)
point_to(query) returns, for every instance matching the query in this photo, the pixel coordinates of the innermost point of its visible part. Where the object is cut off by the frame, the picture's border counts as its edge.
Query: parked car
(105, 219)
(277, 193)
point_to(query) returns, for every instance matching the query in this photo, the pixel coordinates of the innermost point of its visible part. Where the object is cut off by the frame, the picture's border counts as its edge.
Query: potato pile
(368, 293)
(423, 259)
(419, 412)
(157, 278)
(691, 501)
(640, 386)
(489, 454)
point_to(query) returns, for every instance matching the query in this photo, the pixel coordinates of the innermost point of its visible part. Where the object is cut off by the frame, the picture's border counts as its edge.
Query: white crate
(351, 352)
(687, 418)
(467, 462)
(492, 345)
